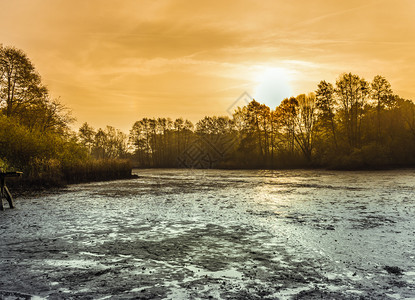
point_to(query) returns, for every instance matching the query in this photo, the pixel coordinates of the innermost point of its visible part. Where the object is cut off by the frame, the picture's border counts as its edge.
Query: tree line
(350, 124)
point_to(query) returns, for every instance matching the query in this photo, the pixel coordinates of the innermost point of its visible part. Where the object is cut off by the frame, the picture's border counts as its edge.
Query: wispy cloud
(159, 57)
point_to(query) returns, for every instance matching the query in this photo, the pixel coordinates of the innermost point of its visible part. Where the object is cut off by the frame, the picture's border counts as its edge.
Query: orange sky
(114, 62)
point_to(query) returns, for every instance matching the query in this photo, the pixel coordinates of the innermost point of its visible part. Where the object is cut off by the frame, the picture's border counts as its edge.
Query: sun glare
(272, 85)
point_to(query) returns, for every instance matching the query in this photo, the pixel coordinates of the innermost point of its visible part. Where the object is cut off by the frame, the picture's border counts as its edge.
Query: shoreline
(29, 189)
(20, 187)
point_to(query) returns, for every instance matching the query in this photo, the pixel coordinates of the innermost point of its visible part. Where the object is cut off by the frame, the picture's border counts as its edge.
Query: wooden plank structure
(5, 193)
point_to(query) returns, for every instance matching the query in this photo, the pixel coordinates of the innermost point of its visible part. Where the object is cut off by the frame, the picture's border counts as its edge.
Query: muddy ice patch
(12, 295)
(209, 261)
(214, 261)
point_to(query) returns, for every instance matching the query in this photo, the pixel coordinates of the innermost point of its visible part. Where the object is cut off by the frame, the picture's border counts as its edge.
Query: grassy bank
(51, 173)
(51, 159)
(97, 170)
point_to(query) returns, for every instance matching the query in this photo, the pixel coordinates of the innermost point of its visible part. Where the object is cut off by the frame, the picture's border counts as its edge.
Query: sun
(272, 85)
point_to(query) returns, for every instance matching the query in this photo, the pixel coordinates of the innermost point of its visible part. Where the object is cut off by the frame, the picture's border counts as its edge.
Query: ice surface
(195, 234)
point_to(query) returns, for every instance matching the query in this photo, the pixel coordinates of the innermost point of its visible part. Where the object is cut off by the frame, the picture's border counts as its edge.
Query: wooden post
(2, 182)
(4, 190)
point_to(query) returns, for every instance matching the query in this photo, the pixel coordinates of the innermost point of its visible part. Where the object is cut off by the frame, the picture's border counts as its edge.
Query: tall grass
(41, 174)
(96, 170)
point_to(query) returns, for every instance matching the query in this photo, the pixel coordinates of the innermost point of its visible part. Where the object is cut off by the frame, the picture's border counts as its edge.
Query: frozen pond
(200, 234)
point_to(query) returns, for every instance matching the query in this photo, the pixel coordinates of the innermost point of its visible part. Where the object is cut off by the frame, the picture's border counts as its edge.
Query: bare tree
(352, 92)
(325, 103)
(20, 84)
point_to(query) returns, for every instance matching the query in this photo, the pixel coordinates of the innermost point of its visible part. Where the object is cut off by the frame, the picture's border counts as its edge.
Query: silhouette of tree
(87, 136)
(325, 103)
(23, 96)
(109, 143)
(20, 84)
(352, 92)
(383, 96)
(304, 124)
(286, 113)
